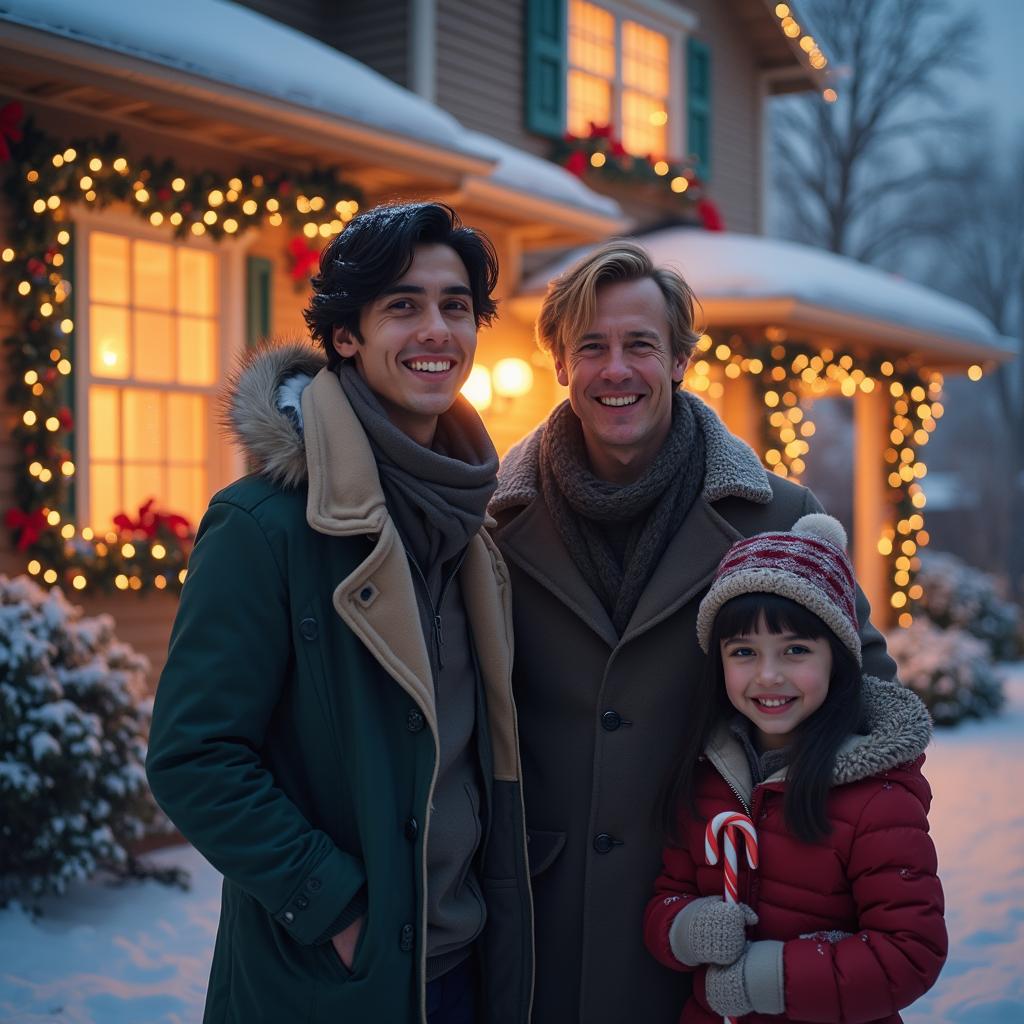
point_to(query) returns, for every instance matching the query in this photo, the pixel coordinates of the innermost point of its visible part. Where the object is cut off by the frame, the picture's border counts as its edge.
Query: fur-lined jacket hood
(899, 729)
(262, 409)
(732, 469)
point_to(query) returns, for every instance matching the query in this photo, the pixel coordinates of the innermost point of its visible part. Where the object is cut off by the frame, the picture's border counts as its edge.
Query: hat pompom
(822, 527)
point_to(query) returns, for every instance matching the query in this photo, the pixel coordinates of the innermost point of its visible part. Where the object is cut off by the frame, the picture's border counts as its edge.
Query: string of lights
(47, 181)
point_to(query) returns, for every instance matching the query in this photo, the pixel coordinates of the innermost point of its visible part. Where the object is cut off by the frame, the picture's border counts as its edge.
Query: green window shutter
(544, 47)
(698, 105)
(259, 277)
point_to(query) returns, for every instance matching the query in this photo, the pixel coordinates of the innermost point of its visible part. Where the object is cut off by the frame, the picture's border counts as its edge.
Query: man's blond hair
(571, 302)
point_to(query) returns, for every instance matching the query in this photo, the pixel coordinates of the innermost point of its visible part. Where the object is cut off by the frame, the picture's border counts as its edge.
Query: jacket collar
(899, 730)
(289, 414)
(531, 539)
(731, 469)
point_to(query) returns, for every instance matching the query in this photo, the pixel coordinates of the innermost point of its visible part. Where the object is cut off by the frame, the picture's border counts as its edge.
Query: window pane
(153, 266)
(643, 130)
(154, 347)
(186, 428)
(197, 351)
(104, 495)
(142, 432)
(108, 268)
(589, 99)
(187, 492)
(104, 423)
(108, 341)
(592, 38)
(197, 282)
(142, 483)
(645, 60)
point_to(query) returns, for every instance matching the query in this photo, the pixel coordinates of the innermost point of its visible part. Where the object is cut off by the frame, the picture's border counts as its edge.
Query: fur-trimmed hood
(899, 730)
(261, 408)
(731, 467)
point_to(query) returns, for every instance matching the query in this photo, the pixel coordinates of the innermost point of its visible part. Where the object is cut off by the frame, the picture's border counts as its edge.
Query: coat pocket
(543, 849)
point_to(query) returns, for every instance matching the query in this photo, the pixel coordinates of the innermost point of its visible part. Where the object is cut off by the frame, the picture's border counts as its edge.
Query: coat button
(611, 720)
(603, 843)
(313, 885)
(302, 902)
(412, 829)
(406, 938)
(415, 721)
(288, 916)
(307, 627)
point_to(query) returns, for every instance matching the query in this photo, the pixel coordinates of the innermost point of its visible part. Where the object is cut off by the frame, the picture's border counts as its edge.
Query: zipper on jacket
(435, 611)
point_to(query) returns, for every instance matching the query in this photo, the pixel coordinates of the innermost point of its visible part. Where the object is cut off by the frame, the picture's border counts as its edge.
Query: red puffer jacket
(860, 912)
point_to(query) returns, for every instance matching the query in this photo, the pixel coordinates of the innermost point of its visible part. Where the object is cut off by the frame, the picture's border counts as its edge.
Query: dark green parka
(294, 737)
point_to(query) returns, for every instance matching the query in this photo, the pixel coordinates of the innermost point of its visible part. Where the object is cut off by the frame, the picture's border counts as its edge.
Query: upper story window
(152, 331)
(632, 64)
(619, 73)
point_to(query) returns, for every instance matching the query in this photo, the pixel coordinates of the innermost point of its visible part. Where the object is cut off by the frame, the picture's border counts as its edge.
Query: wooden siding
(736, 119)
(480, 68)
(375, 32)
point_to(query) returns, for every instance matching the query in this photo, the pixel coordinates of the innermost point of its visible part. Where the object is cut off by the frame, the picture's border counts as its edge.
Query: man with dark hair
(334, 729)
(613, 517)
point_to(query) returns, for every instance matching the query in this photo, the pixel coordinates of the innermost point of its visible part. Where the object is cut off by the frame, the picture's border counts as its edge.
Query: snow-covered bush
(948, 669)
(73, 792)
(960, 596)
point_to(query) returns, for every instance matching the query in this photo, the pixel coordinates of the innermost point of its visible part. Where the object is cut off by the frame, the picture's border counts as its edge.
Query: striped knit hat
(809, 565)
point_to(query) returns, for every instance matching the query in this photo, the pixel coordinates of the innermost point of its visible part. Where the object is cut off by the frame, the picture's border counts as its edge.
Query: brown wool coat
(599, 719)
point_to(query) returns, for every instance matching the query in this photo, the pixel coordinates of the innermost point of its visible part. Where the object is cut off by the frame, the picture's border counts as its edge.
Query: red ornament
(303, 259)
(65, 418)
(163, 194)
(36, 267)
(148, 521)
(10, 128)
(577, 163)
(709, 215)
(29, 524)
(284, 188)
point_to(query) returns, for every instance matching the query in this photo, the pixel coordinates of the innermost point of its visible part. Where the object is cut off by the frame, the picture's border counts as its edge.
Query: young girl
(842, 919)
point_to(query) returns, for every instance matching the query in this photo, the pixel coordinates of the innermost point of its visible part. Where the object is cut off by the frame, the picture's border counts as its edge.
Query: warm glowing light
(156, 218)
(974, 372)
(512, 378)
(33, 567)
(53, 517)
(597, 159)
(67, 468)
(659, 117)
(158, 551)
(29, 418)
(52, 423)
(67, 325)
(128, 550)
(160, 582)
(249, 207)
(79, 582)
(67, 531)
(121, 581)
(50, 576)
(7, 255)
(215, 198)
(679, 184)
(661, 167)
(210, 217)
(477, 389)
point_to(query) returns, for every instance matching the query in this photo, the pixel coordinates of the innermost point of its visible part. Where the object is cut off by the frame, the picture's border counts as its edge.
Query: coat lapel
(377, 600)
(686, 568)
(533, 543)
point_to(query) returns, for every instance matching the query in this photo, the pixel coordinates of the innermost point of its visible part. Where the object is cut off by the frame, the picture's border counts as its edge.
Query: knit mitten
(753, 984)
(710, 931)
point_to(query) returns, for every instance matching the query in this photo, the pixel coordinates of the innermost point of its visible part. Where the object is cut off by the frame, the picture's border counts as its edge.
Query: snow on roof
(724, 265)
(226, 43)
(524, 172)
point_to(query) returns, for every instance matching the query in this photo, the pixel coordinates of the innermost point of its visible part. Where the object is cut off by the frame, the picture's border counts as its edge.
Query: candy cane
(729, 823)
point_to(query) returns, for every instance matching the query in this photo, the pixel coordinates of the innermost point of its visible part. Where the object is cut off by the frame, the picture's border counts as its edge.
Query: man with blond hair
(612, 517)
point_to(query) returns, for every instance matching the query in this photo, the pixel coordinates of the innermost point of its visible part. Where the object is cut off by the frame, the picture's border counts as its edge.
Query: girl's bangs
(741, 615)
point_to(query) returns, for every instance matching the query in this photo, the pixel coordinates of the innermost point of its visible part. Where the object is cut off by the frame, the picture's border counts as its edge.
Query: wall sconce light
(510, 378)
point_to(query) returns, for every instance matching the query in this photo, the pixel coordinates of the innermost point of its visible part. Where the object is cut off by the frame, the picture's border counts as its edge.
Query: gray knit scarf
(437, 496)
(615, 533)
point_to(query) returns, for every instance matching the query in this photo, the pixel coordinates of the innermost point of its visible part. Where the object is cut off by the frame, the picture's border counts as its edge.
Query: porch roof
(182, 67)
(747, 281)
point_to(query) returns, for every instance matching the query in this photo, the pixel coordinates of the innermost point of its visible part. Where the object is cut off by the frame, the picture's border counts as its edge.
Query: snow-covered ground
(139, 954)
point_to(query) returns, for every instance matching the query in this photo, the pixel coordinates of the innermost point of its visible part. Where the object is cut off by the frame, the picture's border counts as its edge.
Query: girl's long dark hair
(809, 774)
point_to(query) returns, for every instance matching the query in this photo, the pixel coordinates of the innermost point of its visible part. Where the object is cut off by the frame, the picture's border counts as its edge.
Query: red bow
(150, 520)
(709, 216)
(304, 257)
(10, 128)
(31, 525)
(577, 163)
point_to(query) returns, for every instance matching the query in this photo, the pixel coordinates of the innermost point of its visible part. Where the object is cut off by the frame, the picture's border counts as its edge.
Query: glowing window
(619, 74)
(153, 363)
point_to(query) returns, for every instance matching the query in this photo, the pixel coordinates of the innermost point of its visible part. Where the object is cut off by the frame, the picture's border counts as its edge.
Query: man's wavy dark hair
(376, 249)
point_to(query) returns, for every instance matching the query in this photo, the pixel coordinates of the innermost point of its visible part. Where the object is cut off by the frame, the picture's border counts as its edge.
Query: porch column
(871, 500)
